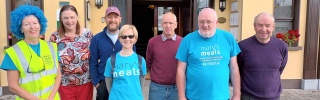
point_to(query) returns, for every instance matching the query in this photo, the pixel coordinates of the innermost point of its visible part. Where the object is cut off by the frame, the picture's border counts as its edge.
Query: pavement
(287, 94)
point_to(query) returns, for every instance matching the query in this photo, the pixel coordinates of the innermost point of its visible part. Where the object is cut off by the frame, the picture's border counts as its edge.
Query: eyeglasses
(205, 21)
(125, 36)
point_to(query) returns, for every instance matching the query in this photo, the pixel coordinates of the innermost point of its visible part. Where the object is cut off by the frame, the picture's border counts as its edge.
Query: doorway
(147, 19)
(146, 16)
(142, 18)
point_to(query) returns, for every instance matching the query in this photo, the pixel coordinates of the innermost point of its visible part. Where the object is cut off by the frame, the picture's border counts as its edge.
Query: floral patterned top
(74, 57)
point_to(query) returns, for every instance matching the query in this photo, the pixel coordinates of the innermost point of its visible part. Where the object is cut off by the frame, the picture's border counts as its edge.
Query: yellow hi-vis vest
(39, 84)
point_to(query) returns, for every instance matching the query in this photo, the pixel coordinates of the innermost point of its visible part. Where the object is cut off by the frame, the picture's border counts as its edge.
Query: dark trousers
(189, 99)
(102, 92)
(247, 97)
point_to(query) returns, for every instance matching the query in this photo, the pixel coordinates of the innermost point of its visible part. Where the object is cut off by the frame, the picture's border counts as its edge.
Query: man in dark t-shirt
(261, 61)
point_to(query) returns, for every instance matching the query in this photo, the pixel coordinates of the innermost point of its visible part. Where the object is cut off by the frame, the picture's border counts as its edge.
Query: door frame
(155, 21)
(189, 3)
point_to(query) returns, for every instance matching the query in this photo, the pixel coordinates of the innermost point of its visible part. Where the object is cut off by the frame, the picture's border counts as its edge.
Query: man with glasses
(206, 58)
(102, 46)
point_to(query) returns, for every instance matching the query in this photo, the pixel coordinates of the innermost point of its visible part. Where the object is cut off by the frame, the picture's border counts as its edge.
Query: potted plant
(290, 37)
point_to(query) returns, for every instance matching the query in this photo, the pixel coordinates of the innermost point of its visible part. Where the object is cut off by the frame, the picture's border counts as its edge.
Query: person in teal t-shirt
(207, 57)
(125, 80)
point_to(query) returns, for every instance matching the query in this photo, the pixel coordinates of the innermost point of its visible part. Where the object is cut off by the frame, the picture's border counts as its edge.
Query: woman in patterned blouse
(73, 48)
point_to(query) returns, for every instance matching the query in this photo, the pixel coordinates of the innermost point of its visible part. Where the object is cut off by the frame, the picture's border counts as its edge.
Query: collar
(164, 38)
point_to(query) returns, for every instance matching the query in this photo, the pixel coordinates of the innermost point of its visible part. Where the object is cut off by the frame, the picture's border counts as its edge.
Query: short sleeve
(107, 70)
(54, 37)
(89, 34)
(182, 52)
(7, 63)
(235, 49)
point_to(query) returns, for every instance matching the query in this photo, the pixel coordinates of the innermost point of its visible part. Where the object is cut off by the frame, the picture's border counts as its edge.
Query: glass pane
(200, 5)
(283, 9)
(122, 5)
(161, 11)
(282, 27)
(30, 2)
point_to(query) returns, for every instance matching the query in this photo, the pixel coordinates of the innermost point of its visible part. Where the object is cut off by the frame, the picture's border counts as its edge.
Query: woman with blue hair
(32, 64)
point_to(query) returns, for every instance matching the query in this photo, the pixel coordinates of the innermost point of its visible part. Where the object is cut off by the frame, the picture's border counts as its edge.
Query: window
(161, 11)
(200, 4)
(286, 14)
(122, 6)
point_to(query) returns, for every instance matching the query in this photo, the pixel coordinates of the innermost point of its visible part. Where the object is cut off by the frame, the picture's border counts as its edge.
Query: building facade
(236, 16)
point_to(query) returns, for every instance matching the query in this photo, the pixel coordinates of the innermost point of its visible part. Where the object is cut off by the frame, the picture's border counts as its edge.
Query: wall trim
(291, 83)
(319, 85)
(297, 48)
(4, 90)
(310, 84)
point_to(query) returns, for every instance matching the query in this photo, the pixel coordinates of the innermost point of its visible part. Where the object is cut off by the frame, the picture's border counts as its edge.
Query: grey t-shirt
(113, 37)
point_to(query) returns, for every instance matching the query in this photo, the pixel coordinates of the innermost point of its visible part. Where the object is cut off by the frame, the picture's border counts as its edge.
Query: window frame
(295, 16)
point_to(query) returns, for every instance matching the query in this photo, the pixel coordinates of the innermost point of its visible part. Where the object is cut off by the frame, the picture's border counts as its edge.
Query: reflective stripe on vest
(39, 84)
(31, 76)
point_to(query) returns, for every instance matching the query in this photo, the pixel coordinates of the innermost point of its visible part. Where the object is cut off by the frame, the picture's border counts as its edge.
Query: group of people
(196, 67)
(208, 56)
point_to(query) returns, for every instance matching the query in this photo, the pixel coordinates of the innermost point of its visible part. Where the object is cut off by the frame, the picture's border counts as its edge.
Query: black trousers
(247, 97)
(102, 92)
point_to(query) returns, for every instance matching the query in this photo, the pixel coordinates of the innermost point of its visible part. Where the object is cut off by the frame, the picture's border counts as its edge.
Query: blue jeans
(162, 92)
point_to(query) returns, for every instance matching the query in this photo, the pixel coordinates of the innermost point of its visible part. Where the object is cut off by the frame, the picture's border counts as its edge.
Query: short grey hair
(263, 13)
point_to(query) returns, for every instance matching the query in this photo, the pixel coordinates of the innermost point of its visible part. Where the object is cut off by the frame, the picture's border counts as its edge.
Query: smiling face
(264, 26)
(113, 21)
(207, 22)
(31, 27)
(69, 19)
(127, 39)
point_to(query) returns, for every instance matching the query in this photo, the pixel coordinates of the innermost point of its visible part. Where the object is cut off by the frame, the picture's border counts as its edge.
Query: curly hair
(17, 15)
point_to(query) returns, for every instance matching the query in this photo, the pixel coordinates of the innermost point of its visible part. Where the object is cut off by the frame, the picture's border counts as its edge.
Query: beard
(206, 31)
(206, 35)
(112, 29)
